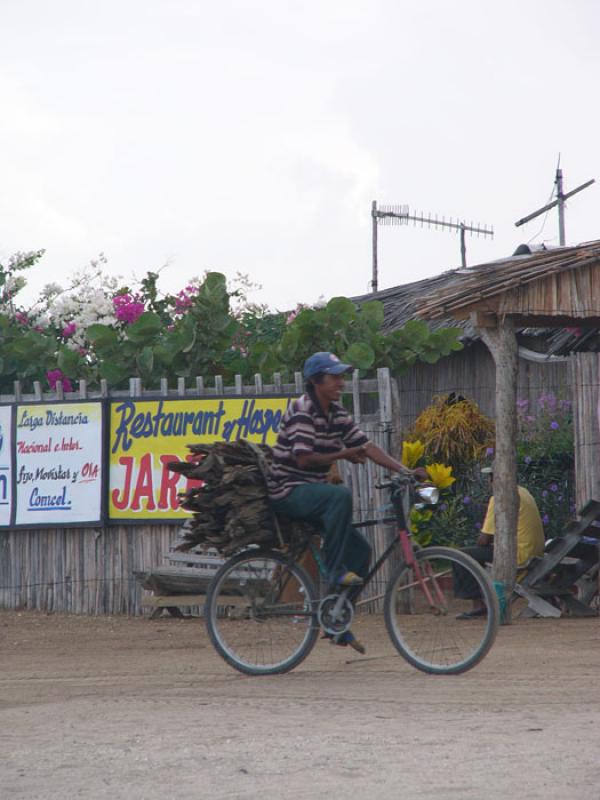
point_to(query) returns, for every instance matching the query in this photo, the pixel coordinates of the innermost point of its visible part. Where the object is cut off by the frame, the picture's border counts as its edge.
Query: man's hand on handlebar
(420, 474)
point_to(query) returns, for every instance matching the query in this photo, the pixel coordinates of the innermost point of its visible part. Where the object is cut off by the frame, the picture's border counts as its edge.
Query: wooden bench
(180, 584)
(184, 583)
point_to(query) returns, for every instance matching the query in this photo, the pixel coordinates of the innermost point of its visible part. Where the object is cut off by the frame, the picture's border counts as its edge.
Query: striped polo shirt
(306, 429)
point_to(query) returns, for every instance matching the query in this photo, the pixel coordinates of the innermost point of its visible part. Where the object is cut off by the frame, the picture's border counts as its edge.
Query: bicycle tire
(436, 640)
(260, 613)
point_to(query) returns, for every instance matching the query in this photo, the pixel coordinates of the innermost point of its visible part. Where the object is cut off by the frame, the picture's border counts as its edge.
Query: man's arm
(356, 455)
(379, 456)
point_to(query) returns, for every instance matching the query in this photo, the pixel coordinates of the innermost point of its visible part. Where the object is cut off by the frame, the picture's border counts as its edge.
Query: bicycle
(264, 615)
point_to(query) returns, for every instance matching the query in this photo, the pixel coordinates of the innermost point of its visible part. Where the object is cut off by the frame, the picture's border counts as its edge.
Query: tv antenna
(560, 202)
(400, 215)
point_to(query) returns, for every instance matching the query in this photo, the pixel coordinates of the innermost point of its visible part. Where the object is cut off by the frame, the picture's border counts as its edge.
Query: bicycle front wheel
(425, 619)
(260, 613)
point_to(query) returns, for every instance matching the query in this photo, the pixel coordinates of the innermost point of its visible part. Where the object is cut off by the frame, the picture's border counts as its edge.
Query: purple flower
(527, 459)
(545, 519)
(522, 404)
(466, 500)
(554, 426)
(547, 401)
(553, 487)
(489, 452)
(545, 493)
(477, 526)
(444, 507)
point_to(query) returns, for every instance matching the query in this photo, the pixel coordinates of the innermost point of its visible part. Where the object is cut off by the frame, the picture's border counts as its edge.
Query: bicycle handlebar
(396, 481)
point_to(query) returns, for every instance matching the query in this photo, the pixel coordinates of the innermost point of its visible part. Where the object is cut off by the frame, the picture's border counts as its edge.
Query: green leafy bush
(100, 330)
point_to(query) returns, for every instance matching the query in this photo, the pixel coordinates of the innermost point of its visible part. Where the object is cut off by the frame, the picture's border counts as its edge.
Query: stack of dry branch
(231, 510)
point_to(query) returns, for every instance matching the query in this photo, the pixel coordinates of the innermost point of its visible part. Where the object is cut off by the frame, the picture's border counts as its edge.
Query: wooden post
(502, 343)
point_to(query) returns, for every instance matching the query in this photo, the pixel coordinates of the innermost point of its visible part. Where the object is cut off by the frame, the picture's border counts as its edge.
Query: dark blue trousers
(329, 509)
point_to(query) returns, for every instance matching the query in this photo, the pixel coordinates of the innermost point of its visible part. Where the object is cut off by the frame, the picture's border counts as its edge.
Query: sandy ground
(134, 708)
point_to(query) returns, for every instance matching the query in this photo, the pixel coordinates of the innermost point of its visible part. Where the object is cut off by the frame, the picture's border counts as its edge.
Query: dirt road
(131, 708)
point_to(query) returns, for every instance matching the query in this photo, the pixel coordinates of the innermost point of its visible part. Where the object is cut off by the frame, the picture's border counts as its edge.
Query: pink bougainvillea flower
(21, 318)
(184, 299)
(127, 308)
(69, 330)
(55, 375)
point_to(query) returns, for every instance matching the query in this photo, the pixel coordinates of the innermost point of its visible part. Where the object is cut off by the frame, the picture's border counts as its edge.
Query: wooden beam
(482, 319)
(502, 343)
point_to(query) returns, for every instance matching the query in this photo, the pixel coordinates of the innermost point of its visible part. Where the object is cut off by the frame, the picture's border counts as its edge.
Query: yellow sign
(145, 435)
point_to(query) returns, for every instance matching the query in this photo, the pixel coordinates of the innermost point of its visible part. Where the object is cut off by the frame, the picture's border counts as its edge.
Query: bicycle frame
(404, 539)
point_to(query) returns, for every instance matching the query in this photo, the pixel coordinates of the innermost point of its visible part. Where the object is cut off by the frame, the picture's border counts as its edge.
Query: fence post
(356, 396)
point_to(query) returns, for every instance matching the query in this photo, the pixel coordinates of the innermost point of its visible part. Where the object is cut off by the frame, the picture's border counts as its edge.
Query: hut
(558, 289)
(543, 353)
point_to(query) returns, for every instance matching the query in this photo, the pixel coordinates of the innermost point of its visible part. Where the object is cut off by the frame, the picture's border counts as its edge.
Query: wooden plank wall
(585, 380)
(471, 373)
(90, 570)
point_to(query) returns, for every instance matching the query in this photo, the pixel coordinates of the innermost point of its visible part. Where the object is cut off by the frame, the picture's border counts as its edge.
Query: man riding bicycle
(315, 432)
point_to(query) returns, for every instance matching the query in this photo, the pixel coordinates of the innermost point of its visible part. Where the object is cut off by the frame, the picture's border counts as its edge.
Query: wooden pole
(502, 343)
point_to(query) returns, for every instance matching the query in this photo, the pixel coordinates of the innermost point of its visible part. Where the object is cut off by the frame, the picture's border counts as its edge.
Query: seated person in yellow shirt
(530, 542)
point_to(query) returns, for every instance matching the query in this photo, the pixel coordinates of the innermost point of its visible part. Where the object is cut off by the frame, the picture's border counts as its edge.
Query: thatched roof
(478, 286)
(439, 297)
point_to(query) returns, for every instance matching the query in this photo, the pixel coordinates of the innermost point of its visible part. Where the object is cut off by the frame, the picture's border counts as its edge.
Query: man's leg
(465, 586)
(330, 508)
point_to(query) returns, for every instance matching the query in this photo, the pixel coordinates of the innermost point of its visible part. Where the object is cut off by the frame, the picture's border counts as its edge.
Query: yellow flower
(441, 476)
(411, 453)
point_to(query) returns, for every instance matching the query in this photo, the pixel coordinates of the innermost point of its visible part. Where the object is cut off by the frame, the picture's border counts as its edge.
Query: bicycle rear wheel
(426, 630)
(260, 613)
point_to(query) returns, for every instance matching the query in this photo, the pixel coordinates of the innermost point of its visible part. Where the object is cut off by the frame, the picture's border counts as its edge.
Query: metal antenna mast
(560, 202)
(399, 215)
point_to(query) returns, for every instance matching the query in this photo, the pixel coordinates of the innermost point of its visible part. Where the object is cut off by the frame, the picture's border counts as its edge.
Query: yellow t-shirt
(530, 531)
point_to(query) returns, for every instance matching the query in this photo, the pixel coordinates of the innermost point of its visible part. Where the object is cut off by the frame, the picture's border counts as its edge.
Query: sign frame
(12, 460)
(171, 521)
(98, 522)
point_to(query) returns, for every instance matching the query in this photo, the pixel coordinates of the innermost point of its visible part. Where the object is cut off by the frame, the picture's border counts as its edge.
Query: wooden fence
(90, 570)
(585, 380)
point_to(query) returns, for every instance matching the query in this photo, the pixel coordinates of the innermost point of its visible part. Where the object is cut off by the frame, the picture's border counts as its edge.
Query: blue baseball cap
(324, 362)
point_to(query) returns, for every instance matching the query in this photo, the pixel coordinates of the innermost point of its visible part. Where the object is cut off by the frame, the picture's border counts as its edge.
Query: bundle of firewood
(230, 508)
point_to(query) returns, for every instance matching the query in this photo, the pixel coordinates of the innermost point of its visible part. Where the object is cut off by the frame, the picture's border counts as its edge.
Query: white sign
(58, 463)
(5, 465)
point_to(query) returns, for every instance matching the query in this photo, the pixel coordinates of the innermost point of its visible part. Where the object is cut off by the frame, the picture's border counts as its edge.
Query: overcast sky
(253, 136)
